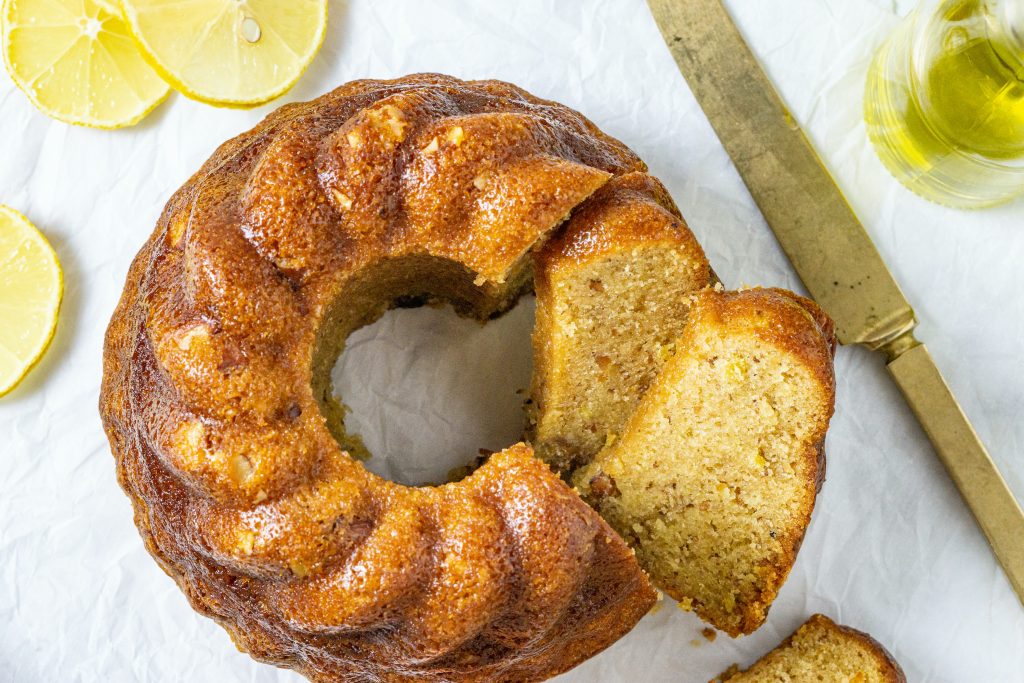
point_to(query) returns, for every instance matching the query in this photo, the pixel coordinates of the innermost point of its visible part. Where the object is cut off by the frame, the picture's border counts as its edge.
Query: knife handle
(965, 458)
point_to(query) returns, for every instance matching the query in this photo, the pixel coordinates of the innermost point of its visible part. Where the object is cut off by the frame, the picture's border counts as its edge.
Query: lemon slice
(31, 286)
(77, 62)
(233, 53)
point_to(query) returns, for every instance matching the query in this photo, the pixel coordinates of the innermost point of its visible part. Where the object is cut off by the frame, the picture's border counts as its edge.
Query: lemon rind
(224, 103)
(51, 331)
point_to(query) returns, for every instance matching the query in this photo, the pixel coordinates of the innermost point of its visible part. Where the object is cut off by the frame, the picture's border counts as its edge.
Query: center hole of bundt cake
(429, 392)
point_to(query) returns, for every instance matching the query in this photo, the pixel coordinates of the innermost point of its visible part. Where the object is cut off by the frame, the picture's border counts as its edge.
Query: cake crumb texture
(613, 291)
(715, 474)
(821, 651)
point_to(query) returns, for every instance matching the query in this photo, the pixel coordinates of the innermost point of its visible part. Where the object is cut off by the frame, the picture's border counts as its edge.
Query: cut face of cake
(822, 651)
(713, 478)
(613, 291)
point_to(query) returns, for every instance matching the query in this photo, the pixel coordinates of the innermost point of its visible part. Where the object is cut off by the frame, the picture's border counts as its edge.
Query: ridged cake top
(630, 210)
(216, 389)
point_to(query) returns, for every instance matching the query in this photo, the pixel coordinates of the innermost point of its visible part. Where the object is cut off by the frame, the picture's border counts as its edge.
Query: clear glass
(944, 102)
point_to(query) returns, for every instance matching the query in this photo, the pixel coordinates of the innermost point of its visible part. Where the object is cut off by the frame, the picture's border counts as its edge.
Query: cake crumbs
(659, 602)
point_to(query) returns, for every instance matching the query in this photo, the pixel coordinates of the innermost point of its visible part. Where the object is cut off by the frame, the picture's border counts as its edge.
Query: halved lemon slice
(77, 62)
(233, 53)
(31, 287)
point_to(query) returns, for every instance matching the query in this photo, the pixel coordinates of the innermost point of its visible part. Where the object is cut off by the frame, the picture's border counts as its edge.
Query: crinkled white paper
(891, 549)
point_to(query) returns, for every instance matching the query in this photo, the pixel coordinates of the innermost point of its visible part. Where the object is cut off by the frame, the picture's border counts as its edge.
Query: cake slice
(613, 290)
(822, 651)
(713, 478)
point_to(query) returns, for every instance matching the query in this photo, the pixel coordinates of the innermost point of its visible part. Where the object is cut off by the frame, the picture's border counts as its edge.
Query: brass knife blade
(830, 250)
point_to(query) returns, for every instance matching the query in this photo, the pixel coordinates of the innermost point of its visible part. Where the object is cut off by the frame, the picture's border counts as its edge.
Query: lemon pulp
(76, 61)
(31, 287)
(228, 52)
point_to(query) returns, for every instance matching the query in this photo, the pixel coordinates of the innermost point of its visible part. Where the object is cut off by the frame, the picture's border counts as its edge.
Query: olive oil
(944, 104)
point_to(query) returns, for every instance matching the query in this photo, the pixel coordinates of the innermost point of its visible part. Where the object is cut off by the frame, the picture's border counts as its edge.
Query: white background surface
(891, 549)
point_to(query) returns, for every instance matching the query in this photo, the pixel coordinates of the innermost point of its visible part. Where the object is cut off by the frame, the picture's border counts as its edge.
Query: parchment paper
(891, 549)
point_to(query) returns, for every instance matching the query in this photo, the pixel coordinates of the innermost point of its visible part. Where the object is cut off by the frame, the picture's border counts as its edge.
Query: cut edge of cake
(613, 290)
(715, 475)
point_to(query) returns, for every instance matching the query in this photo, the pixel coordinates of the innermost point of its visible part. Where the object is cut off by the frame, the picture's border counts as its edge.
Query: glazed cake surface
(218, 403)
(217, 399)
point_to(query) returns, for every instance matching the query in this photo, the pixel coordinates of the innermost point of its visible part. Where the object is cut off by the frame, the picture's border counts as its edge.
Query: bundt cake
(217, 399)
(613, 290)
(714, 476)
(218, 403)
(822, 651)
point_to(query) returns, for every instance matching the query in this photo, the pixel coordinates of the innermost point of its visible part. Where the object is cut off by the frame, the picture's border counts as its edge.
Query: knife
(831, 252)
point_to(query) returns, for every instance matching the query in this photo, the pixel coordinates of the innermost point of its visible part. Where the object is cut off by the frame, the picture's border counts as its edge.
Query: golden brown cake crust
(216, 393)
(631, 209)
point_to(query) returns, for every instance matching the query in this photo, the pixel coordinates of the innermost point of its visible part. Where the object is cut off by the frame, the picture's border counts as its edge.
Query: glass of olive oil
(944, 102)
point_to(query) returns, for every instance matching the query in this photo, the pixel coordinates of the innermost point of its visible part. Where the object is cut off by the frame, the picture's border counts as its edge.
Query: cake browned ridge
(217, 398)
(218, 403)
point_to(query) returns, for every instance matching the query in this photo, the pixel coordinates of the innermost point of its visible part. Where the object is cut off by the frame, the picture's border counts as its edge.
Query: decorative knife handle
(965, 457)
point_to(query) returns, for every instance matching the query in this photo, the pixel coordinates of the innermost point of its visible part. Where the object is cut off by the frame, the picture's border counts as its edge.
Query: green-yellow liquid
(952, 131)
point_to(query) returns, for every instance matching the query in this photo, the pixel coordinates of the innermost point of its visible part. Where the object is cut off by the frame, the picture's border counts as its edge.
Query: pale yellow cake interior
(610, 326)
(713, 479)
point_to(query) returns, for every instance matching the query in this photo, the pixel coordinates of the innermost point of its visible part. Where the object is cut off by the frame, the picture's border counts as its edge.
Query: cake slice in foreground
(613, 290)
(714, 477)
(822, 651)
